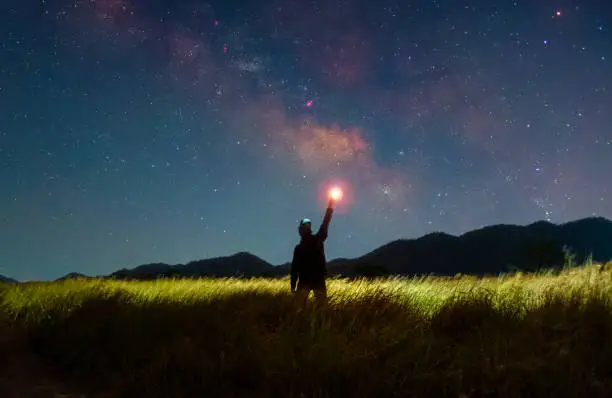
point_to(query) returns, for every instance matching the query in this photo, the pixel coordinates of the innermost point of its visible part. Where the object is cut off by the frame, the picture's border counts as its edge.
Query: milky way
(138, 131)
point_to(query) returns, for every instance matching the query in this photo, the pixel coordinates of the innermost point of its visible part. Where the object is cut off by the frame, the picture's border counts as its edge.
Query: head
(305, 227)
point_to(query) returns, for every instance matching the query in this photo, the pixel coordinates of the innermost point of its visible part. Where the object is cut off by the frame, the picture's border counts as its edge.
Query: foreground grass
(510, 336)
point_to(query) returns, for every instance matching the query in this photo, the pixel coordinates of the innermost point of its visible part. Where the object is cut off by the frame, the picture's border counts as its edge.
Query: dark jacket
(309, 263)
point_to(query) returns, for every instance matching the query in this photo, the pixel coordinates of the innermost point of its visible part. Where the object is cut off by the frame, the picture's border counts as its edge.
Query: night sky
(137, 131)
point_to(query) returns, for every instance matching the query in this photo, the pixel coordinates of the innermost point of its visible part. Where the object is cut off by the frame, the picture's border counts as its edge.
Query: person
(308, 267)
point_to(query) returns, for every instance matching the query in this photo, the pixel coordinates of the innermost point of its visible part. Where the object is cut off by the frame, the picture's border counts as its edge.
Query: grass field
(517, 335)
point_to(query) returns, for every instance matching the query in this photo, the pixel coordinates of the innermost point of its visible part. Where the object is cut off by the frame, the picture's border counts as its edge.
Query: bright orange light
(335, 193)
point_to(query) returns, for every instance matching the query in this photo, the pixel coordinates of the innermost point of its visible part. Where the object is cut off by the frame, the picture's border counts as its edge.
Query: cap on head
(305, 226)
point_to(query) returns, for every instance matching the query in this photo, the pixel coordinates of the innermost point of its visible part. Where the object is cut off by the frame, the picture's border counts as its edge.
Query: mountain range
(486, 251)
(489, 250)
(5, 279)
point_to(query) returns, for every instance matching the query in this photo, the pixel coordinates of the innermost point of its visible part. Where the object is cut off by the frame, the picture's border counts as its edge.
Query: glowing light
(309, 103)
(335, 193)
(558, 13)
(338, 191)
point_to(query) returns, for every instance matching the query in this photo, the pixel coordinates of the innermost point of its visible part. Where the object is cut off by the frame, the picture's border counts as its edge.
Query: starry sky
(137, 131)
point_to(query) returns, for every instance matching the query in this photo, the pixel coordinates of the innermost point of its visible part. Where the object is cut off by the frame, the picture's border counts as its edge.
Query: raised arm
(322, 233)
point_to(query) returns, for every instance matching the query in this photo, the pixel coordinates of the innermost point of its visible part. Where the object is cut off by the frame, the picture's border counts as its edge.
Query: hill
(72, 275)
(6, 279)
(489, 250)
(239, 264)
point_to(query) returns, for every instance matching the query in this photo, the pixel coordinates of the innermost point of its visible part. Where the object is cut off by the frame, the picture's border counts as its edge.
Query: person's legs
(302, 293)
(320, 293)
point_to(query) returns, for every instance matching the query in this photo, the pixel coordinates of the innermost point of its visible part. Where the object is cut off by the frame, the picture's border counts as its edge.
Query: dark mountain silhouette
(489, 250)
(240, 264)
(146, 271)
(72, 275)
(6, 279)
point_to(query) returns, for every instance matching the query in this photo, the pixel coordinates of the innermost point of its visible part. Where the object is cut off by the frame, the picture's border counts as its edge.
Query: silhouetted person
(308, 268)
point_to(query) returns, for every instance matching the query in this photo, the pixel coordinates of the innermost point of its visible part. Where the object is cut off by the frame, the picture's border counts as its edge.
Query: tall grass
(514, 335)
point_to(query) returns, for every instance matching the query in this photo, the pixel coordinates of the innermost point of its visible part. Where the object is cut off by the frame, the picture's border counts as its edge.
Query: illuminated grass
(513, 335)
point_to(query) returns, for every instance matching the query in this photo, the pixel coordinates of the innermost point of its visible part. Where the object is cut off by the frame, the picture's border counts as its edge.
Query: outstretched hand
(330, 204)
